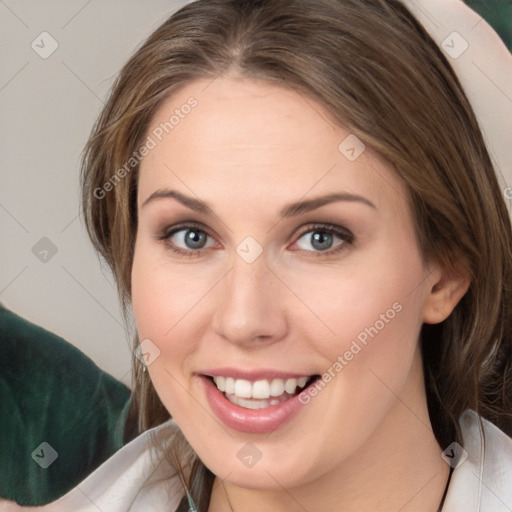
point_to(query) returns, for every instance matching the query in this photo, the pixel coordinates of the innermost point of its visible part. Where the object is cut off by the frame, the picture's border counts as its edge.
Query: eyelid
(167, 231)
(340, 231)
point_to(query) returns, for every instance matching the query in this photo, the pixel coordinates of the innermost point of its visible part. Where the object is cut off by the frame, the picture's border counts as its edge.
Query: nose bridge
(250, 305)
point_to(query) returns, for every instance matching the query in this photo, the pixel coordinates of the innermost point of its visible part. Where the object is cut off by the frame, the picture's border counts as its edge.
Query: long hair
(379, 74)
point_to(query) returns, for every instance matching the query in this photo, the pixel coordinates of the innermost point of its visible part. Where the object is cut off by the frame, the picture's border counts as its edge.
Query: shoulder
(138, 477)
(482, 478)
(83, 421)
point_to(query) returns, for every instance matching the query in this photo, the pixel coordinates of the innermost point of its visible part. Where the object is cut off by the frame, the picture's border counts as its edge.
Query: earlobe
(446, 292)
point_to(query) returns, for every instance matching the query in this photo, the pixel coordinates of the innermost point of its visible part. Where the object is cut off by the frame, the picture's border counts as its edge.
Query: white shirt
(134, 480)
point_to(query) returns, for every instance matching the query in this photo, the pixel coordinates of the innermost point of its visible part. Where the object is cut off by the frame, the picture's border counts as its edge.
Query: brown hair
(378, 72)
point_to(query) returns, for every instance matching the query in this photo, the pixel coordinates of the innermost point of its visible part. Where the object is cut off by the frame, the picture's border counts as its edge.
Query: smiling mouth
(262, 393)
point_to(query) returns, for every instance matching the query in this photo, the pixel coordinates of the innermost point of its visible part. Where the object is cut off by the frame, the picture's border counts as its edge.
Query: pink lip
(254, 421)
(253, 375)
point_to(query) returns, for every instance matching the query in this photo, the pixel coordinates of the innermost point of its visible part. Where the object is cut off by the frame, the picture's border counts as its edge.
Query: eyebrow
(289, 210)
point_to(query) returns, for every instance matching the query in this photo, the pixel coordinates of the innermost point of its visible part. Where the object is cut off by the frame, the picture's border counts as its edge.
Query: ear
(447, 288)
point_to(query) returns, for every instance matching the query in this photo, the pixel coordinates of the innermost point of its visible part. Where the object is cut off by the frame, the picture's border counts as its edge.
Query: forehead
(252, 137)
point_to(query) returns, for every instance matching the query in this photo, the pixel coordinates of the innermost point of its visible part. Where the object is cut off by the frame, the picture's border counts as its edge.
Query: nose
(252, 305)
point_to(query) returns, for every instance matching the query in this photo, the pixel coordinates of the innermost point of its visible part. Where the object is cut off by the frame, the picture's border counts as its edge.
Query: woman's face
(263, 292)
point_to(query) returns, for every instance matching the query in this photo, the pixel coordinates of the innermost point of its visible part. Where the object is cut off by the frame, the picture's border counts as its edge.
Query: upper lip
(254, 374)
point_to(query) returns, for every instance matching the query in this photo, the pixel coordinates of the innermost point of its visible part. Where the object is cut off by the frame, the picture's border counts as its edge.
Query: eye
(190, 237)
(322, 238)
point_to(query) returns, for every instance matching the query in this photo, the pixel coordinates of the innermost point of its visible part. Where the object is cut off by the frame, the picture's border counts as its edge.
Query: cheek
(163, 298)
(155, 308)
(369, 297)
(370, 355)
(371, 319)
(160, 308)
(169, 309)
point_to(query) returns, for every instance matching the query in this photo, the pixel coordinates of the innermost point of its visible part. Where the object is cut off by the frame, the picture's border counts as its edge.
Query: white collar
(483, 482)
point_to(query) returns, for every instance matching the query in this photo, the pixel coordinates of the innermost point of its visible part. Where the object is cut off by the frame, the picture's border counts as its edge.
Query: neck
(398, 468)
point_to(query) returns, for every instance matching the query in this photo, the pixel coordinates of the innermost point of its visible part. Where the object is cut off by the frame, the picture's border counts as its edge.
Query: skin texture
(249, 148)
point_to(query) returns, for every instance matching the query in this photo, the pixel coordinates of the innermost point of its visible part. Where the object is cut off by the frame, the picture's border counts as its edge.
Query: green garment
(50, 392)
(498, 13)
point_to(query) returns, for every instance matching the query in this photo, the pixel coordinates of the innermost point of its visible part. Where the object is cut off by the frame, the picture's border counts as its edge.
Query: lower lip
(254, 421)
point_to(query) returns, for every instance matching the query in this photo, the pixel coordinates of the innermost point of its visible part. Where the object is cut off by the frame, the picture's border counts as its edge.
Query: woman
(298, 204)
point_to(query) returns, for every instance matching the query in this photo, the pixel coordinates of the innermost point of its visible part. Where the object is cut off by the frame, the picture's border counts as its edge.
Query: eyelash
(331, 229)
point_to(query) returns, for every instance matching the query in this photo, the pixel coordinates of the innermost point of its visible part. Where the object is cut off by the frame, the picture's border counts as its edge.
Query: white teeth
(256, 404)
(290, 385)
(243, 388)
(230, 385)
(221, 383)
(261, 389)
(277, 387)
(248, 404)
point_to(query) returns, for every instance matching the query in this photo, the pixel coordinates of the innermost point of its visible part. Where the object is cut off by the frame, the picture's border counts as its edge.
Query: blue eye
(193, 239)
(190, 235)
(321, 237)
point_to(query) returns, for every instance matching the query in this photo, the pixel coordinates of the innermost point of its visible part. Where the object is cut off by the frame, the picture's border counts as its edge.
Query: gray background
(48, 107)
